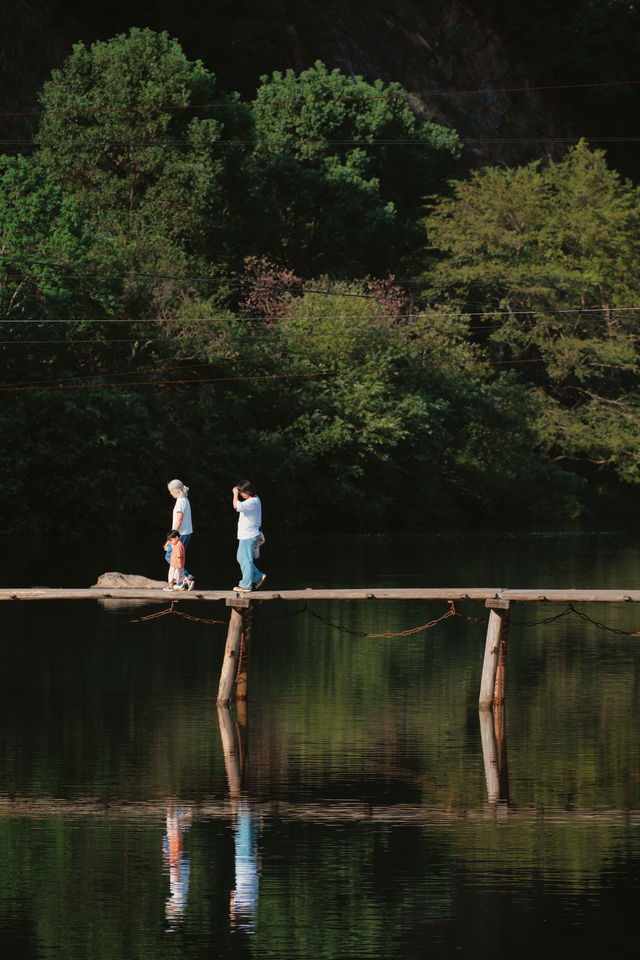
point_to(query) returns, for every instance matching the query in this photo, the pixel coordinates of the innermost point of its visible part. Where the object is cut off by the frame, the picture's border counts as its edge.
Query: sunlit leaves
(344, 167)
(547, 259)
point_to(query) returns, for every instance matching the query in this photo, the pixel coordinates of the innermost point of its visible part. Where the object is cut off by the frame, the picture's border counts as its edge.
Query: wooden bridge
(321, 593)
(235, 665)
(498, 600)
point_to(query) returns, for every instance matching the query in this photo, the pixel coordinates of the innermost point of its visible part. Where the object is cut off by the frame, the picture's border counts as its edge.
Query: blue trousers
(250, 573)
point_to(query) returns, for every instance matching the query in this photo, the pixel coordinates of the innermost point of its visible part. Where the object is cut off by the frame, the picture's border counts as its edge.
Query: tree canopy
(545, 260)
(344, 166)
(177, 263)
(149, 147)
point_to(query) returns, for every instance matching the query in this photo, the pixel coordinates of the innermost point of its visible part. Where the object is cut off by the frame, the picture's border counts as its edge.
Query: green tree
(147, 143)
(545, 260)
(52, 293)
(341, 168)
(45, 271)
(93, 442)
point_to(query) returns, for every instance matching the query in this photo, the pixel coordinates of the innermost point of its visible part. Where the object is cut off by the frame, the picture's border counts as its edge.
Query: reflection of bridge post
(243, 900)
(230, 750)
(494, 753)
(242, 729)
(235, 746)
(491, 702)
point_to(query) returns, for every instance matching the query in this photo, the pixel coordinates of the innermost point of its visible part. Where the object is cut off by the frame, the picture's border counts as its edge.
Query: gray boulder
(126, 581)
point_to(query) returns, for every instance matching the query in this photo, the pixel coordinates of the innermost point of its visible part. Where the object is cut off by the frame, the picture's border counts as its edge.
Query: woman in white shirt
(249, 508)
(181, 518)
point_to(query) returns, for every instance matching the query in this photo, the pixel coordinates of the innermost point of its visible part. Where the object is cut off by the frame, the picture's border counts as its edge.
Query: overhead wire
(189, 364)
(253, 378)
(307, 141)
(236, 281)
(253, 333)
(362, 95)
(273, 102)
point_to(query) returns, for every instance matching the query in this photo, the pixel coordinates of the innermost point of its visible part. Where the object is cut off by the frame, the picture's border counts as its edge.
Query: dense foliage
(544, 260)
(195, 286)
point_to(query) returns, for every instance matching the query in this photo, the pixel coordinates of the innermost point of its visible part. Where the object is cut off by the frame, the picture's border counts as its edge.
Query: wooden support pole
(242, 676)
(499, 609)
(231, 651)
(501, 672)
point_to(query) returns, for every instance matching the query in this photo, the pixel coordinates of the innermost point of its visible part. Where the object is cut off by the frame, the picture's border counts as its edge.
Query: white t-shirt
(184, 507)
(250, 518)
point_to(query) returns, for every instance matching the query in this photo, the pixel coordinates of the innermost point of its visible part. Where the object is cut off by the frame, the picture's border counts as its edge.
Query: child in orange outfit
(176, 562)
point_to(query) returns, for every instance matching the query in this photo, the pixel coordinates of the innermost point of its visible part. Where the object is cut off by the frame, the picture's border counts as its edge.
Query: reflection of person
(249, 508)
(176, 561)
(243, 905)
(177, 863)
(181, 518)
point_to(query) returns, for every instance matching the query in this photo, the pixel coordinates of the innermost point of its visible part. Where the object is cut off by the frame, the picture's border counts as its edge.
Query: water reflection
(243, 903)
(366, 822)
(177, 863)
(494, 753)
(243, 900)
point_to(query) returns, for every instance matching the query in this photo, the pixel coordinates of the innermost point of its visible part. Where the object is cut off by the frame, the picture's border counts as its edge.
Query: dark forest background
(381, 258)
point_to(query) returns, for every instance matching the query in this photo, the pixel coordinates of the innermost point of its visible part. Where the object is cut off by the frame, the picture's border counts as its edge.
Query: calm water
(347, 812)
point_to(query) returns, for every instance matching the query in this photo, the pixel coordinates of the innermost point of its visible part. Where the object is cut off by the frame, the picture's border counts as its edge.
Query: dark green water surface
(351, 812)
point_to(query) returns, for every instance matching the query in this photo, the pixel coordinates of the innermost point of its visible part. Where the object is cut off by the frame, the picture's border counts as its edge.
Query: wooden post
(230, 662)
(499, 610)
(501, 672)
(242, 676)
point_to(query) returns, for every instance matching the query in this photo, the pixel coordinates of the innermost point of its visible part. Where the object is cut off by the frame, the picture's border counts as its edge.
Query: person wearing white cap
(181, 520)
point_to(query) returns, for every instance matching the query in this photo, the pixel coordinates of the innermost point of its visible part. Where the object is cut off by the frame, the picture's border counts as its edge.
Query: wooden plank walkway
(555, 595)
(234, 673)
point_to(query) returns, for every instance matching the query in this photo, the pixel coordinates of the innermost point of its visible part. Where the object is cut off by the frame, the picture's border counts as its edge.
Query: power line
(325, 141)
(364, 95)
(195, 381)
(235, 281)
(308, 374)
(589, 313)
(255, 378)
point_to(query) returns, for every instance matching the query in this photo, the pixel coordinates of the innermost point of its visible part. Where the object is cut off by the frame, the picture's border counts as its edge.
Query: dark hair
(172, 534)
(247, 487)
